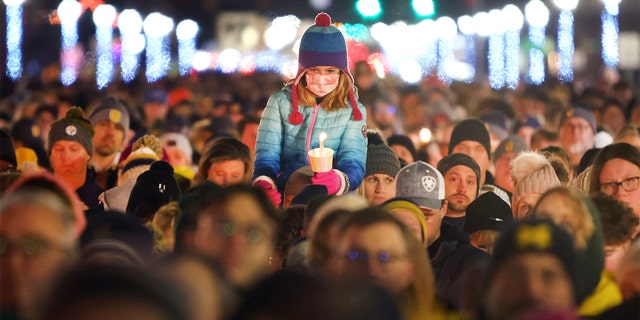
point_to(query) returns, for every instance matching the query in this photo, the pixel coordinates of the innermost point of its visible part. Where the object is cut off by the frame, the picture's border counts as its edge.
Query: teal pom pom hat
(322, 44)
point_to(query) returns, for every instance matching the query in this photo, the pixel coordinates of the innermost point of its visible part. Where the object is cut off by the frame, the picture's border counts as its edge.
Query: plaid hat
(535, 236)
(154, 95)
(406, 204)
(73, 127)
(422, 184)
(153, 189)
(512, 143)
(110, 109)
(488, 212)
(579, 111)
(458, 159)
(322, 44)
(471, 129)
(380, 158)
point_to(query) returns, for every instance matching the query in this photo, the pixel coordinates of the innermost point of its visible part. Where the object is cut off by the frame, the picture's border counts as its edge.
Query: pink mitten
(271, 192)
(331, 179)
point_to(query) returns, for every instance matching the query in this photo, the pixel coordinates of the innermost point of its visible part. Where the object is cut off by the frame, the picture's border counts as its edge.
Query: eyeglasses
(362, 257)
(28, 246)
(253, 234)
(580, 127)
(628, 184)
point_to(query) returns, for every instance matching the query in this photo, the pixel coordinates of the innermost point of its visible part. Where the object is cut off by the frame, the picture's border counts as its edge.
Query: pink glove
(270, 191)
(332, 179)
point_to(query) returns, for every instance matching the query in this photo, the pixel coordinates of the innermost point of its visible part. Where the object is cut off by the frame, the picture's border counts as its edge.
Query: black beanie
(153, 189)
(399, 139)
(73, 127)
(458, 159)
(488, 212)
(471, 129)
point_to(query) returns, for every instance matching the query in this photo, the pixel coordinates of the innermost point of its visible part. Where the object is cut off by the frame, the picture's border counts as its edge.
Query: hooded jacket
(281, 147)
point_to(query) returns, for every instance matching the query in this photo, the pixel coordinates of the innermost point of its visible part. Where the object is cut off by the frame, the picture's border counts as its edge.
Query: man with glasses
(40, 221)
(577, 132)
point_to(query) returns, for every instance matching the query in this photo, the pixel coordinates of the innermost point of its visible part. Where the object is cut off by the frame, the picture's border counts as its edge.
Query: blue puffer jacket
(281, 147)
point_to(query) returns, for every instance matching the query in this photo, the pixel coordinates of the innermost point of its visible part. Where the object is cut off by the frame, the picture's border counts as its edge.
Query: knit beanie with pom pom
(322, 44)
(73, 127)
(532, 173)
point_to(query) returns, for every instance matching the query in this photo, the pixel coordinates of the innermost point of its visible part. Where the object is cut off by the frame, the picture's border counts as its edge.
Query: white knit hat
(532, 173)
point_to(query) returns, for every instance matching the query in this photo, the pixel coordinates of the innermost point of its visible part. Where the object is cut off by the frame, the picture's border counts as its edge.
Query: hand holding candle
(321, 159)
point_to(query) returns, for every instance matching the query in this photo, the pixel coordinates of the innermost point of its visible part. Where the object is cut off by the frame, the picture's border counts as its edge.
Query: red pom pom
(323, 19)
(295, 118)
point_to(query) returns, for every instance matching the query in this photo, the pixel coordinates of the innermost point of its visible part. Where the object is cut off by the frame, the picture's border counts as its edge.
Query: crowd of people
(195, 198)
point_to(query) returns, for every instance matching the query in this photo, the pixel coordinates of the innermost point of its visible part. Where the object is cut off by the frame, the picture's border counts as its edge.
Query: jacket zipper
(310, 132)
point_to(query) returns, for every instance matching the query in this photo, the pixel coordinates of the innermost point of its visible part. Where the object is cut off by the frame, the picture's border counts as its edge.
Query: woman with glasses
(616, 172)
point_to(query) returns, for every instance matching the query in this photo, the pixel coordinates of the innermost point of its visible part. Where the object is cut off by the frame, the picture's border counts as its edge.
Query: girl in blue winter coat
(321, 98)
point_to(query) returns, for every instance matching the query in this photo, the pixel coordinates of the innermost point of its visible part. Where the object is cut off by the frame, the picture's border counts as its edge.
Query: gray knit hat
(458, 159)
(532, 173)
(111, 109)
(380, 157)
(73, 127)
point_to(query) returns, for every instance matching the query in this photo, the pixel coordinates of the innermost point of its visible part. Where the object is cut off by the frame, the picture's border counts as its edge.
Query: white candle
(322, 137)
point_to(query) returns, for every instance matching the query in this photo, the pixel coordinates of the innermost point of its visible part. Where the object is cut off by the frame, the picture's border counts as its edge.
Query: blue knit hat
(322, 44)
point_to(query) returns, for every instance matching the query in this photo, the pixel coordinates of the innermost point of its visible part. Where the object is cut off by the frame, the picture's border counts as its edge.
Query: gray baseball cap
(421, 183)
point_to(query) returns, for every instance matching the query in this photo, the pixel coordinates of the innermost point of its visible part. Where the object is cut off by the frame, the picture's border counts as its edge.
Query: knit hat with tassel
(322, 44)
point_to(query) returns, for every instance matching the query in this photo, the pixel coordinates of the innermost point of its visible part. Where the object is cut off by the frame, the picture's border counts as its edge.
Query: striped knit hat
(322, 44)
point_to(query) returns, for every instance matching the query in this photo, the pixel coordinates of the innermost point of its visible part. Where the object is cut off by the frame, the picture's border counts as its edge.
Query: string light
(103, 18)
(186, 32)
(69, 11)
(610, 29)
(537, 16)
(14, 38)
(133, 42)
(156, 29)
(496, 51)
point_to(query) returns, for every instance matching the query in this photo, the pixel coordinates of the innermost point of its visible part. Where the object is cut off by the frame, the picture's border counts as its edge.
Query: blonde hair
(586, 226)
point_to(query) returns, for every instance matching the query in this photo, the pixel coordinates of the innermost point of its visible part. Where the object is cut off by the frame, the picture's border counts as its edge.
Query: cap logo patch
(537, 237)
(71, 130)
(429, 183)
(161, 187)
(508, 147)
(115, 115)
(570, 113)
